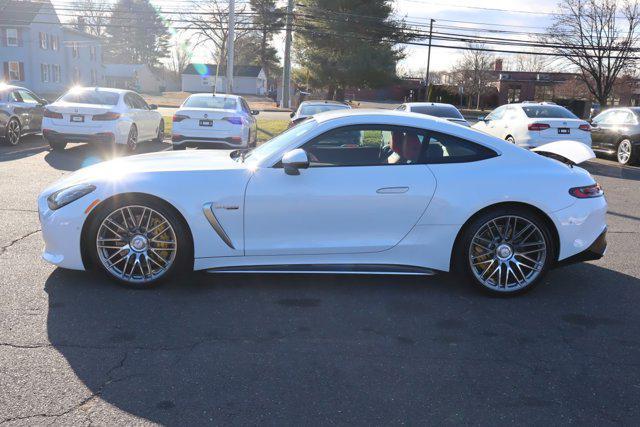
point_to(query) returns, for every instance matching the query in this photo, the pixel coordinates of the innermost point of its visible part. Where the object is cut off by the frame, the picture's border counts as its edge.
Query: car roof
(373, 113)
(4, 86)
(428, 104)
(321, 102)
(215, 95)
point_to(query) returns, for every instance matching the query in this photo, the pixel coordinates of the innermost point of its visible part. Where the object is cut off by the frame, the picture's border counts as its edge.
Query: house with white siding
(38, 52)
(247, 79)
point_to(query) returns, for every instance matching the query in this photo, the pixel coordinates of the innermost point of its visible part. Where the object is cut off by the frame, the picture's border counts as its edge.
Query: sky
(520, 16)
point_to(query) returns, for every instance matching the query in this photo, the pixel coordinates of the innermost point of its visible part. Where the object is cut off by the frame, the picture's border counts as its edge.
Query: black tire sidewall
(184, 246)
(57, 145)
(6, 134)
(632, 156)
(462, 249)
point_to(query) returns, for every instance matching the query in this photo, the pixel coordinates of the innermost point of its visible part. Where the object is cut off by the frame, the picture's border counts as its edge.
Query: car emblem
(206, 115)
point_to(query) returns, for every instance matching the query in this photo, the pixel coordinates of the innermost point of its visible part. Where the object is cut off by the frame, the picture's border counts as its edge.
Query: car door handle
(392, 190)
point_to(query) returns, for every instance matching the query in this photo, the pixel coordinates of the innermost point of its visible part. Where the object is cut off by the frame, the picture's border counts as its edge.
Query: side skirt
(382, 269)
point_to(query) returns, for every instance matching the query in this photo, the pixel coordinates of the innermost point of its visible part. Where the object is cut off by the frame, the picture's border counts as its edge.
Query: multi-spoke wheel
(626, 153)
(160, 135)
(132, 139)
(13, 132)
(507, 252)
(138, 244)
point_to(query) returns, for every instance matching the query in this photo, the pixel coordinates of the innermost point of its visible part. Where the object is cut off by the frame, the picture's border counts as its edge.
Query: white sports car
(376, 192)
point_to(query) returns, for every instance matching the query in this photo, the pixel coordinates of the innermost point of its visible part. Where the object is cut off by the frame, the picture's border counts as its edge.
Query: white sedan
(214, 121)
(411, 194)
(531, 124)
(102, 116)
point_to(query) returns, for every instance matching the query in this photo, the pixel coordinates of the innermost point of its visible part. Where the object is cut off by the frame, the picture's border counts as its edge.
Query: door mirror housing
(255, 112)
(294, 160)
(482, 119)
(153, 107)
(292, 114)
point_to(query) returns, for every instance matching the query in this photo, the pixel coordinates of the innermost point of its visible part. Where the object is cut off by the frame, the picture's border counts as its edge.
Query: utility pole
(230, 45)
(429, 56)
(286, 71)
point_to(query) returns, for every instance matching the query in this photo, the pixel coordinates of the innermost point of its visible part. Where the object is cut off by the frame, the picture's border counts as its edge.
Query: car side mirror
(153, 107)
(294, 160)
(292, 114)
(42, 103)
(482, 119)
(255, 112)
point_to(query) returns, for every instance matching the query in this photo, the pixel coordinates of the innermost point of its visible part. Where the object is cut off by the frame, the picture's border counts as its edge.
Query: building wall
(83, 67)
(50, 56)
(20, 54)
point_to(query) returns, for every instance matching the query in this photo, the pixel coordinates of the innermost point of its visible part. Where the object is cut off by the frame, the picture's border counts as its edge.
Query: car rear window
(438, 111)
(310, 110)
(215, 102)
(91, 96)
(548, 112)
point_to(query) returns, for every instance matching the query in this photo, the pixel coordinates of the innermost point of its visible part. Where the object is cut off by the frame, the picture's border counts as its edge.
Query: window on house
(75, 50)
(543, 93)
(55, 43)
(92, 53)
(45, 73)
(15, 71)
(12, 37)
(94, 77)
(76, 74)
(44, 41)
(55, 73)
(513, 94)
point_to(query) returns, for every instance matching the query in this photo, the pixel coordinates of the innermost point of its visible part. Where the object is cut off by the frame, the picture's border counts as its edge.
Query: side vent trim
(207, 208)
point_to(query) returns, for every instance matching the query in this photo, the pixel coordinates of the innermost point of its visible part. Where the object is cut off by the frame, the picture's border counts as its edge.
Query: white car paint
(131, 108)
(511, 122)
(232, 126)
(331, 215)
(436, 109)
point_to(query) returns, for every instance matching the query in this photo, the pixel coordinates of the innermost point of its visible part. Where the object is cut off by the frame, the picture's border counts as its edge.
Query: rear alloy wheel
(510, 139)
(626, 154)
(13, 132)
(160, 136)
(138, 244)
(132, 139)
(507, 252)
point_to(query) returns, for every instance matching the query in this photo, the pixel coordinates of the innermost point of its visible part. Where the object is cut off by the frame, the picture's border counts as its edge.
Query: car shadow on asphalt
(28, 146)
(77, 156)
(249, 349)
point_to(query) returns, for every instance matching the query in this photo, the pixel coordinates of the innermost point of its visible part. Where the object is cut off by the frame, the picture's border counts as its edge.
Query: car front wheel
(13, 132)
(626, 153)
(138, 242)
(506, 251)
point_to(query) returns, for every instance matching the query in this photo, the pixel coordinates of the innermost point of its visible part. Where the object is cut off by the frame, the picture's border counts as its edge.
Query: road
(297, 350)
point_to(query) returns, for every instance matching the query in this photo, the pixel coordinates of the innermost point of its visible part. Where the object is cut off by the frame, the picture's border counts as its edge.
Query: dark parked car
(20, 113)
(617, 131)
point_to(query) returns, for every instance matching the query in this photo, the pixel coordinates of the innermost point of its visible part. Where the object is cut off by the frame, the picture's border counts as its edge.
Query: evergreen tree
(136, 34)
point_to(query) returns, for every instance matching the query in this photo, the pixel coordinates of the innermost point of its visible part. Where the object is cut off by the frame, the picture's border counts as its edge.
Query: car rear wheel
(13, 132)
(510, 139)
(139, 243)
(626, 153)
(160, 136)
(506, 251)
(132, 139)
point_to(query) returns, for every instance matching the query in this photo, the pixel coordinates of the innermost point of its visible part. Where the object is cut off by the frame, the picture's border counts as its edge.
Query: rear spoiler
(568, 152)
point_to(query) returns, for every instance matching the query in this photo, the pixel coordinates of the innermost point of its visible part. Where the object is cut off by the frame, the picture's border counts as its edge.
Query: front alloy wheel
(625, 152)
(508, 253)
(13, 132)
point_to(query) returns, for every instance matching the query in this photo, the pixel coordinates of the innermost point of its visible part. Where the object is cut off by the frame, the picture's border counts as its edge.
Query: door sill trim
(355, 269)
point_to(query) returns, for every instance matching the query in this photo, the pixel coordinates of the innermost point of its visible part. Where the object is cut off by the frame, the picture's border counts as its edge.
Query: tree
(93, 18)
(268, 19)
(530, 62)
(341, 43)
(474, 72)
(179, 58)
(590, 36)
(136, 34)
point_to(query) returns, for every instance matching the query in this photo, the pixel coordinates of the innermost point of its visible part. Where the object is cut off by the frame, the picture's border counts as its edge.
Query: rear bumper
(99, 137)
(596, 251)
(202, 142)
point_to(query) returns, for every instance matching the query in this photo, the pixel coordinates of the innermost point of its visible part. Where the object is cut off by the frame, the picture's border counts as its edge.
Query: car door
(148, 117)
(136, 114)
(492, 124)
(598, 129)
(33, 108)
(365, 188)
(253, 124)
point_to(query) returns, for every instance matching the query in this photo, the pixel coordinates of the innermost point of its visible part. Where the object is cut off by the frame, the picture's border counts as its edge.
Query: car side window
(444, 148)
(366, 145)
(27, 97)
(497, 113)
(624, 118)
(140, 102)
(15, 97)
(128, 101)
(402, 108)
(245, 106)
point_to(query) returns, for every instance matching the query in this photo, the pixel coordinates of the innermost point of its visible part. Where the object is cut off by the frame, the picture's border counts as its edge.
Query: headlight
(67, 195)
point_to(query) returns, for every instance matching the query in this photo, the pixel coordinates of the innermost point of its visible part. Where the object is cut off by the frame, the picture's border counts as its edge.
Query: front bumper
(62, 231)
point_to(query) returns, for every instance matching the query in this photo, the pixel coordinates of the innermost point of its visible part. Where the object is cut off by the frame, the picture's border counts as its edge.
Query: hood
(160, 162)
(571, 152)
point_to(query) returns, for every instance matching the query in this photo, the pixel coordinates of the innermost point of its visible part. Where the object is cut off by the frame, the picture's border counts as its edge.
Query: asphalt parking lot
(299, 350)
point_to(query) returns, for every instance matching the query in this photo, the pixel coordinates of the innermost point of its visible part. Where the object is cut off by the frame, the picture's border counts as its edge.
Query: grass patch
(267, 129)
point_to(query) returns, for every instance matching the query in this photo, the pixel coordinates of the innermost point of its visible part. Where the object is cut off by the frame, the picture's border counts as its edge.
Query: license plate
(206, 123)
(564, 131)
(77, 119)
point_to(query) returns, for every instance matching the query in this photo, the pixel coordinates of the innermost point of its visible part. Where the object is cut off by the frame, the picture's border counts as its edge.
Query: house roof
(210, 70)
(19, 13)
(78, 32)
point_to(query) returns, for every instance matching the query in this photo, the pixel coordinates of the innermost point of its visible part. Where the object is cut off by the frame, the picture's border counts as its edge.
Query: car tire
(13, 132)
(160, 136)
(57, 145)
(156, 241)
(510, 139)
(626, 153)
(505, 251)
(132, 139)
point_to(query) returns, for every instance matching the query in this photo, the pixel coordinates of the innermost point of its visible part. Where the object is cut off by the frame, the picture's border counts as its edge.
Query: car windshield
(548, 112)
(215, 102)
(310, 110)
(279, 142)
(438, 111)
(90, 96)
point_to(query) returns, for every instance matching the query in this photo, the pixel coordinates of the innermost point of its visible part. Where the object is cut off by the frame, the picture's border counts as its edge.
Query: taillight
(538, 126)
(233, 120)
(585, 127)
(179, 117)
(588, 192)
(106, 116)
(52, 114)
